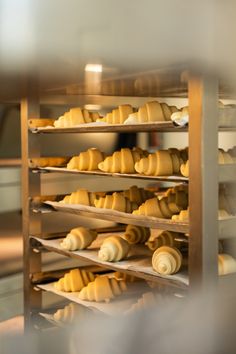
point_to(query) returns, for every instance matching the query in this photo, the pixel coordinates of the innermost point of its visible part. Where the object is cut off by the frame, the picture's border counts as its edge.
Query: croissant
(182, 216)
(81, 196)
(146, 301)
(138, 195)
(113, 249)
(102, 289)
(41, 122)
(166, 260)
(136, 234)
(158, 164)
(181, 117)
(116, 201)
(150, 207)
(75, 280)
(74, 117)
(118, 115)
(226, 264)
(121, 161)
(78, 239)
(48, 161)
(86, 161)
(71, 313)
(126, 277)
(177, 200)
(184, 169)
(165, 238)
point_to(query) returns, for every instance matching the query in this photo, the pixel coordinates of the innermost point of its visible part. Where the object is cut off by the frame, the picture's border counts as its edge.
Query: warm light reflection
(95, 68)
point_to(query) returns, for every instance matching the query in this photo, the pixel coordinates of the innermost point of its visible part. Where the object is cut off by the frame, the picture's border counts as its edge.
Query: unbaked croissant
(121, 161)
(102, 289)
(48, 162)
(78, 239)
(71, 313)
(182, 216)
(138, 195)
(113, 249)
(166, 260)
(118, 115)
(126, 277)
(165, 238)
(75, 280)
(40, 122)
(136, 234)
(86, 161)
(150, 208)
(116, 201)
(145, 302)
(157, 164)
(81, 196)
(184, 169)
(74, 117)
(226, 264)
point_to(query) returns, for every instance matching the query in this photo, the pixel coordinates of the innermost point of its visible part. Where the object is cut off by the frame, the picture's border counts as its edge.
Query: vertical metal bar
(31, 223)
(203, 185)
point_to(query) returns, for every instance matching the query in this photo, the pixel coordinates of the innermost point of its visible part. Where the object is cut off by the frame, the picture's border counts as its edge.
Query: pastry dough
(48, 162)
(74, 117)
(118, 115)
(126, 277)
(152, 112)
(102, 289)
(75, 280)
(78, 239)
(116, 201)
(113, 249)
(145, 302)
(138, 195)
(136, 234)
(166, 260)
(71, 313)
(226, 264)
(121, 161)
(86, 161)
(150, 208)
(40, 122)
(157, 164)
(81, 196)
(165, 238)
(184, 169)
(183, 216)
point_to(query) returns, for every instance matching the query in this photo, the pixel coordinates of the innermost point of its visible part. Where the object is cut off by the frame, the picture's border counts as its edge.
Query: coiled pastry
(121, 161)
(75, 280)
(102, 289)
(118, 115)
(116, 201)
(126, 277)
(81, 196)
(113, 249)
(136, 234)
(157, 164)
(138, 195)
(166, 260)
(78, 239)
(48, 162)
(165, 238)
(74, 117)
(226, 264)
(71, 313)
(86, 161)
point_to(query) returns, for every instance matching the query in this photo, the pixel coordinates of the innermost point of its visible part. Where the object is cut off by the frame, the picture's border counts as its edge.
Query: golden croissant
(158, 164)
(118, 115)
(81, 196)
(78, 239)
(116, 201)
(226, 264)
(136, 234)
(75, 280)
(138, 195)
(113, 249)
(102, 289)
(48, 162)
(86, 161)
(40, 122)
(126, 277)
(71, 313)
(74, 117)
(166, 260)
(165, 238)
(121, 161)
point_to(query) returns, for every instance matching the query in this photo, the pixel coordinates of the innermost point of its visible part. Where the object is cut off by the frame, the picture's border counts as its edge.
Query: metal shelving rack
(204, 228)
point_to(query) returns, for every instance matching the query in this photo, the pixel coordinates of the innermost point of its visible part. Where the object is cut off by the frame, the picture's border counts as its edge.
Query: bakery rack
(203, 228)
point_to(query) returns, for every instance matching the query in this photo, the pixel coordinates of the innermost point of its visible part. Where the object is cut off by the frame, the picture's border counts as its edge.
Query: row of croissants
(166, 247)
(153, 111)
(167, 162)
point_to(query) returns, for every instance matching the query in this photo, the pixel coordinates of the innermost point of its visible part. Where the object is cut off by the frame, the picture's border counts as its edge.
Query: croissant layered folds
(79, 238)
(116, 201)
(145, 302)
(118, 115)
(74, 117)
(48, 162)
(165, 238)
(226, 264)
(166, 260)
(102, 289)
(122, 161)
(86, 161)
(136, 234)
(71, 313)
(75, 280)
(82, 196)
(171, 203)
(113, 249)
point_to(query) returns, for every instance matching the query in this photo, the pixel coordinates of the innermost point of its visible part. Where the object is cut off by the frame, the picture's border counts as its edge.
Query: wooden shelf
(117, 216)
(10, 162)
(138, 263)
(102, 174)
